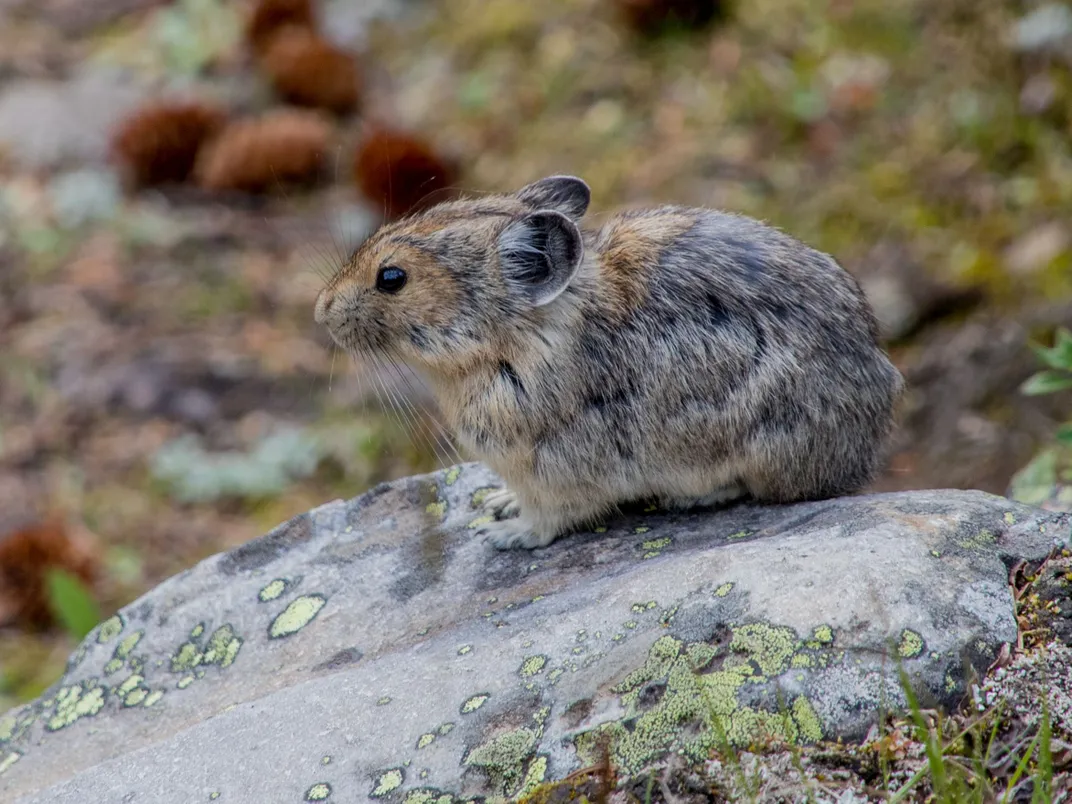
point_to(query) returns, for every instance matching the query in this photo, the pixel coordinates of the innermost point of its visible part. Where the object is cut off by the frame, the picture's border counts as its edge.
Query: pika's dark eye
(390, 279)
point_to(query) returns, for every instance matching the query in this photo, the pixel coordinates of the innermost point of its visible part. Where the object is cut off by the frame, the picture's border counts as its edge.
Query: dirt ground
(165, 392)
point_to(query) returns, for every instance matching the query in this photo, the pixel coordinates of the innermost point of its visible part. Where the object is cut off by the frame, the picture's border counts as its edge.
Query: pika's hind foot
(510, 533)
(722, 496)
(501, 504)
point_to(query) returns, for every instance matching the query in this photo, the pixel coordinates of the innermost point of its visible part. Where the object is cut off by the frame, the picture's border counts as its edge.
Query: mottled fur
(687, 355)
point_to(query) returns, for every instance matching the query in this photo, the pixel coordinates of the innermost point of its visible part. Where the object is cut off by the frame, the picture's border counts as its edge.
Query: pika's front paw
(511, 533)
(501, 504)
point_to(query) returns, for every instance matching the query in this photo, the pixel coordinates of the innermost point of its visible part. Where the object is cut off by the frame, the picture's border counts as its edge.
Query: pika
(676, 354)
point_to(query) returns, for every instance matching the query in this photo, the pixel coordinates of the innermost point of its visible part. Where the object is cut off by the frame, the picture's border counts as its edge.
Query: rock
(1045, 30)
(49, 124)
(376, 649)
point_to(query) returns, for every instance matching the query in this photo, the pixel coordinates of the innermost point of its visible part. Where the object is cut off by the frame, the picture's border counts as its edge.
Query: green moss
(296, 616)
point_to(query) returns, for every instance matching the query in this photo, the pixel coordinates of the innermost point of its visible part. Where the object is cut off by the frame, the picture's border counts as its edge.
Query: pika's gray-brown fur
(681, 354)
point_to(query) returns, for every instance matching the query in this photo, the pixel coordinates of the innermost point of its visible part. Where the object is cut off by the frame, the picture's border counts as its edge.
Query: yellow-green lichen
(480, 495)
(223, 646)
(136, 697)
(465, 649)
(318, 792)
(386, 699)
(1010, 519)
(388, 782)
(197, 631)
(741, 534)
(74, 703)
(131, 683)
(503, 758)
(644, 529)
(724, 589)
(474, 703)
(807, 721)
(7, 728)
(656, 544)
(534, 776)
(9, 759)
(481, 521)
(427, 795)
(531, 666)
(911, 644)
(296, 616)
(186, 658)
(824, 634)
(770, 647)
(600, 529)
(113, 666)
(452, 475)
(446, 729)
(153, 697)
(983, 538)
(640, 608)
(110, 629)
(127, 644)
(425, 740)
(272, 590)
(326, 759)
(555, 675)
(185, 682)
(437, 509)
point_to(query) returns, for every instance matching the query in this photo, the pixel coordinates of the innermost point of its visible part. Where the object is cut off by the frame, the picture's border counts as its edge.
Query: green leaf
(71, 603)
(1064, 434)
(1047, 382)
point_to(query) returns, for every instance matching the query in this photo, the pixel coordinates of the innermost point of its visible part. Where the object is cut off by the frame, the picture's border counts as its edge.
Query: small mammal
(679, 354)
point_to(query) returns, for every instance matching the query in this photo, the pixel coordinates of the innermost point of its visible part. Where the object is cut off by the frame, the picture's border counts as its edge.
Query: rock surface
(374, 649)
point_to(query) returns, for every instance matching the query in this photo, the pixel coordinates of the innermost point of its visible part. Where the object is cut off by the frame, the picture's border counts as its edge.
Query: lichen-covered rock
(378, 649)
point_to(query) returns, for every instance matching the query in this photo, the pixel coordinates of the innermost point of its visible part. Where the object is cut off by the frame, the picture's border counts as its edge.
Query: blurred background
(178, 178)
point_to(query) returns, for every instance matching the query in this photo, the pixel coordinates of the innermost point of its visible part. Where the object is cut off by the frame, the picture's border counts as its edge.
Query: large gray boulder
(378, 649)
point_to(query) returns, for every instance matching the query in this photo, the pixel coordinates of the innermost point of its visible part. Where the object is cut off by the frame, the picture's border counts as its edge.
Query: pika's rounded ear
(539, 255)
(566, 194)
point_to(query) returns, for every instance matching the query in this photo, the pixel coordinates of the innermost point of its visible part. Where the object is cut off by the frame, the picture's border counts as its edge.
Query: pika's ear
(566, 194)
(539, 255)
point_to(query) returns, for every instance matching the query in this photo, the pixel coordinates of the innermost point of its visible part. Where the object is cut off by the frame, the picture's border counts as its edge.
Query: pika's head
(440, 288)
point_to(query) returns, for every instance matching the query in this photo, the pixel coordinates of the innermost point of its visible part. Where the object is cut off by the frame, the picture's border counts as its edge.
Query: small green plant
(71, 603)
(1057, 376)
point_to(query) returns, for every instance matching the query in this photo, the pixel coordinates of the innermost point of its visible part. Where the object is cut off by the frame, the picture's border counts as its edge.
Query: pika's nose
(324, 303)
